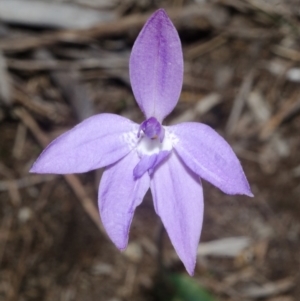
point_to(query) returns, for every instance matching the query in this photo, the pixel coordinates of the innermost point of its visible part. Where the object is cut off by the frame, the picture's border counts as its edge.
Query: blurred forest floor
(62, 61)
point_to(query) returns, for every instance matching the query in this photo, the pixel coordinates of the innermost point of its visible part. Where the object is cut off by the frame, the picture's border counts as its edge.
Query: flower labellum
(171, 160)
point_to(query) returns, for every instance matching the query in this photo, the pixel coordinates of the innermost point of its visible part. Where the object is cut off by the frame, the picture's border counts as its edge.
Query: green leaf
(187, 289)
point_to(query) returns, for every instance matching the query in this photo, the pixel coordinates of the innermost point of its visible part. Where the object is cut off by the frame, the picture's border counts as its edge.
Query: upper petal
(156, 66)
(178, 200)
(119, 195)
(96, 142)
(207, 154)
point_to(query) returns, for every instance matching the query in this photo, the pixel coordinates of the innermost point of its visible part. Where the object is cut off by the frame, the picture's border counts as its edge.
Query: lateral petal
(178, 200)
(208, 155)
(94, 143)
(156, 67)
(119, 195)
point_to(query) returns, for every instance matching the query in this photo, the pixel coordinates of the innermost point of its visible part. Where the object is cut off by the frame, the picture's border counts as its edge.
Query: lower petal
(178, 200)
(119, 195)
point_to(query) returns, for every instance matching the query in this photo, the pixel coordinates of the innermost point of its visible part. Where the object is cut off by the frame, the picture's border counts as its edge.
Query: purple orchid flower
(171, 160)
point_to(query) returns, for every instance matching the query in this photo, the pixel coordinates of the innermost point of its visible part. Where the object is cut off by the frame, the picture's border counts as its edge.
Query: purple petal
(96, 142)
(152, 129)
(207, 154)
(149, 163)
(178, 200)
(159, 159)
(156, 67)
(119, 195)
(144, 164)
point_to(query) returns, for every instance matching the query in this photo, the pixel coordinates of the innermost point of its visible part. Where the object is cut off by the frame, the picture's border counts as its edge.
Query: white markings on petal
(131, 137)
(148, 147)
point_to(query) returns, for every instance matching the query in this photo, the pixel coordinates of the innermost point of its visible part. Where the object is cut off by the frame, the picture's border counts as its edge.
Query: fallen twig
(203, 106)
(4, 230)
(27, 181)
(197, 16)
(39, 106)
(51, 14)
(5, 94)
(224, 247)
(239, 102)
(288, 108)
(269, 289)
(201, 48)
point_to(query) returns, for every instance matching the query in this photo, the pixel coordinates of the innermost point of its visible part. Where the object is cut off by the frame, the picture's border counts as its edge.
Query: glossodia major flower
(171, 160)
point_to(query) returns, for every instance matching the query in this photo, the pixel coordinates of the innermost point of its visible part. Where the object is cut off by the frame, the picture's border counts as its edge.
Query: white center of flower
(148, 147)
